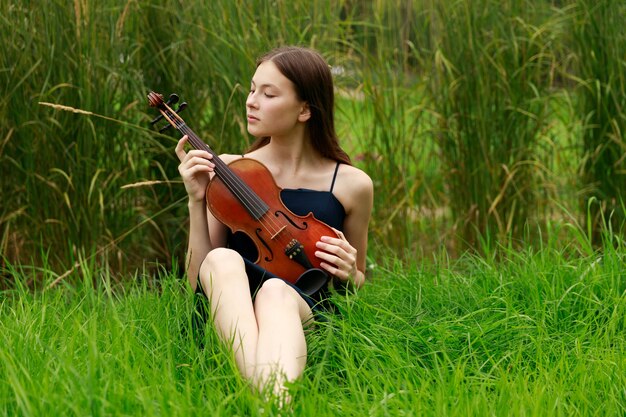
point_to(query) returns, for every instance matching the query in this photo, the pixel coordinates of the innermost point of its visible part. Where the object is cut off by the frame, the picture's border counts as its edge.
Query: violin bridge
(277, 233)
(295, 252)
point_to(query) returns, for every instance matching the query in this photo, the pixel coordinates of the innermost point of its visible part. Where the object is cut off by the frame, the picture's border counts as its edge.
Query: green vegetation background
(480, 122)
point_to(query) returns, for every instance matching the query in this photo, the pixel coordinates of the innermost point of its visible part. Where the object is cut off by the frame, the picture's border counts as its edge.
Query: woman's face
(273, 107)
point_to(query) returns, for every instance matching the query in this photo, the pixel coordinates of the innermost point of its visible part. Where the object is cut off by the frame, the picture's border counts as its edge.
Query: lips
(252, 118)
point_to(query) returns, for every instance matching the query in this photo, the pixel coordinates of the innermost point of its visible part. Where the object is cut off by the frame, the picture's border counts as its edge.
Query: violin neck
(197, 143)
(194, 140)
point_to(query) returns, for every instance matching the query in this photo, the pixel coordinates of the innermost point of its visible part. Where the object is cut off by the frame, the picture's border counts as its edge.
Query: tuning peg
(173, 99)
(156, 119)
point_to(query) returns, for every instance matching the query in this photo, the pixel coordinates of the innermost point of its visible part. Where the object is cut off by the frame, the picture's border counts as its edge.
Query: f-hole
(258, 232)
(304, 224)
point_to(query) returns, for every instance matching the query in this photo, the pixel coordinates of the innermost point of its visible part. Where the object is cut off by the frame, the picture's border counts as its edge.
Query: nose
(251, 100)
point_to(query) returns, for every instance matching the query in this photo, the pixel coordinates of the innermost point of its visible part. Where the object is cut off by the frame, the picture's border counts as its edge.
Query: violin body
(272, 242)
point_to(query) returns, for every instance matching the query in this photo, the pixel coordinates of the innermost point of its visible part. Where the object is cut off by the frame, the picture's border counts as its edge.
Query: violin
(244, 196)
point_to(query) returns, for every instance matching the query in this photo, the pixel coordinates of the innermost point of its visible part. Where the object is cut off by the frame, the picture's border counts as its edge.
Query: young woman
(290, 112)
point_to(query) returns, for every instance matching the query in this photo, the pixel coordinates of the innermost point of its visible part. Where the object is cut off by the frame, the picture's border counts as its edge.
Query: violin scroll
(156, 100)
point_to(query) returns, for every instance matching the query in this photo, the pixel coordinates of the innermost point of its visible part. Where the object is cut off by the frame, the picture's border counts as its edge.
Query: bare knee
(276, 294)
(220, 258)
(220, 264)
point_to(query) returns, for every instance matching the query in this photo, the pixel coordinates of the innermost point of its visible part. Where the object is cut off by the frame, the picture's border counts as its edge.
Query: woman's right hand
(195, 168)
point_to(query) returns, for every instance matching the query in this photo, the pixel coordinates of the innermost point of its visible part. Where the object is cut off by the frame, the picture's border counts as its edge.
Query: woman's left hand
(338, 256)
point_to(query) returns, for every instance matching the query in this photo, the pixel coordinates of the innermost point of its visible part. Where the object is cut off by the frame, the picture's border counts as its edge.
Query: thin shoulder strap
(332, 185)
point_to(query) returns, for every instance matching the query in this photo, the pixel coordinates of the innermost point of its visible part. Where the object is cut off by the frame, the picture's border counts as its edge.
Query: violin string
(246, 194)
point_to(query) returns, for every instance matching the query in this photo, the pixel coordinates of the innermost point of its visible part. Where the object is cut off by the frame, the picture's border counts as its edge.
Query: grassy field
(537, 333)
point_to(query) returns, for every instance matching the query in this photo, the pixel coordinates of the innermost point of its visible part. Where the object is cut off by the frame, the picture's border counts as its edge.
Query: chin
(257, 133)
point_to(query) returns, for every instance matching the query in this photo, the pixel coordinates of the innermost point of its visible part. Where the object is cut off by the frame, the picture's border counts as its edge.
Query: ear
(305, 113)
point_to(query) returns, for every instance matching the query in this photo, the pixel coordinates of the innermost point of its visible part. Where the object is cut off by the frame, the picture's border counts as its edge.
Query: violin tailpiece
(295, 251)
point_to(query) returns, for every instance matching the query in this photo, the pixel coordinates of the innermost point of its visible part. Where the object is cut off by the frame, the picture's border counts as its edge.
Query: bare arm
(348, 252)
(199, 244)
(205, 232)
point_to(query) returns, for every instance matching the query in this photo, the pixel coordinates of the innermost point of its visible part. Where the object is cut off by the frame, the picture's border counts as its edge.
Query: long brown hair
(310, 74)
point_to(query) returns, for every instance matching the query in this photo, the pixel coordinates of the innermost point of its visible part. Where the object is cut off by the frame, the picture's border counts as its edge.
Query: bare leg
(268, 338)
(225, 282)
(281, 349)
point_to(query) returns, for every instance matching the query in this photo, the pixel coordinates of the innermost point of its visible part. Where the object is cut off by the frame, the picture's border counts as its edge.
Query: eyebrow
(264, 85)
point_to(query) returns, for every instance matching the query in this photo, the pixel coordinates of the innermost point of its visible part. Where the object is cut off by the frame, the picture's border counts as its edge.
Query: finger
(337, 255)
(329, 257)
(340, 234)
(331, 247)
(194, 159)
(342, 273)
(326, 242)
(180, 148)
(331, 264)
(196, 153)
(333, 271)
(192, 171)
(191, 161)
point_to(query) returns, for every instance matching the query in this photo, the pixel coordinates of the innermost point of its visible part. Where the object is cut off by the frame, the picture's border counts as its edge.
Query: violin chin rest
(311, 281)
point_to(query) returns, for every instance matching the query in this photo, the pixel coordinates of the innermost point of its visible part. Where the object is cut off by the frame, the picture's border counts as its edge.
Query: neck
(292, 153)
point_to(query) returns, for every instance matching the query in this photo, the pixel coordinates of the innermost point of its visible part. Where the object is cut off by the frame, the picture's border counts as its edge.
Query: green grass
(537, 333)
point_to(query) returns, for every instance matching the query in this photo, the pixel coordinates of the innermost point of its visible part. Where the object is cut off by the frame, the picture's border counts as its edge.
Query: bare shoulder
(356, 178)
(354, 188)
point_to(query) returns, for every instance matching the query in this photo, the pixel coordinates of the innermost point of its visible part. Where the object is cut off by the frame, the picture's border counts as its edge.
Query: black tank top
(323, 204)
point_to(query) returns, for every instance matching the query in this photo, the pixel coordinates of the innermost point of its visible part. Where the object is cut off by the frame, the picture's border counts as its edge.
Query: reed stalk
(599, 41)
(493, 65)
